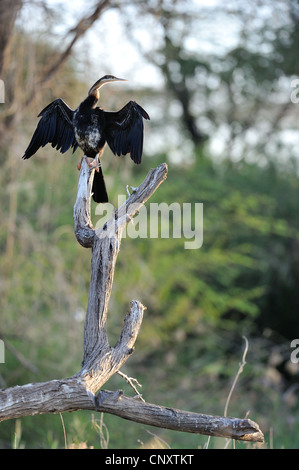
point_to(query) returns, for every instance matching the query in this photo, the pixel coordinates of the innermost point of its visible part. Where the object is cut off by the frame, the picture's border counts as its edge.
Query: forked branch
(100, 360)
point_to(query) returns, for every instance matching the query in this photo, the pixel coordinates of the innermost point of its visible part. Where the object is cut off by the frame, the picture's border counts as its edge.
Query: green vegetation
(243, 280)
(199, 302)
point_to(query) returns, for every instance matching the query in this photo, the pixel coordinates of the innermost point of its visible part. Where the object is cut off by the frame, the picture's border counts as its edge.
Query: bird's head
(102, 81)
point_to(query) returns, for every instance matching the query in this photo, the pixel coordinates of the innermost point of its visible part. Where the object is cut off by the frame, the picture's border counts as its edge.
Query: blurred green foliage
(243, 280)
(199, 302)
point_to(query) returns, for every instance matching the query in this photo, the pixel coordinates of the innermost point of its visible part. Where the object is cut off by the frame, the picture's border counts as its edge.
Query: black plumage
(90, 128)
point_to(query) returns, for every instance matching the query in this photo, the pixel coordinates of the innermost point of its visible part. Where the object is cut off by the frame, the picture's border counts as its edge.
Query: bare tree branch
(70, 395)
(100, 360)
(178, 420)
(77, 32)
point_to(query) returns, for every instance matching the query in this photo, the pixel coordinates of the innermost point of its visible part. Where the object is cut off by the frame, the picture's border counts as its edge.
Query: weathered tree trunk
(100, 360)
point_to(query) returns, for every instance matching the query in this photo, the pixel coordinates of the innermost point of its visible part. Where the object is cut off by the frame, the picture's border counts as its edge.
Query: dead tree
(83, 391)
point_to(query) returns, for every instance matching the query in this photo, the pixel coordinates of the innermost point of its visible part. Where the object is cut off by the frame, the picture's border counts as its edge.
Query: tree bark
(100, 360)
(71, 395)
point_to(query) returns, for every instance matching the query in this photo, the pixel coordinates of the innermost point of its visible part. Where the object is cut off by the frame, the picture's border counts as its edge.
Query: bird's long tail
(99, 187)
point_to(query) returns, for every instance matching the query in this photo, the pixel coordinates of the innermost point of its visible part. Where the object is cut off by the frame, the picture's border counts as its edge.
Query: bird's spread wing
(55, 127)
(124, 130)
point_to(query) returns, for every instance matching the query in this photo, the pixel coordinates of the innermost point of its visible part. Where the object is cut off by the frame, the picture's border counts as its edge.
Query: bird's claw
(95, 164)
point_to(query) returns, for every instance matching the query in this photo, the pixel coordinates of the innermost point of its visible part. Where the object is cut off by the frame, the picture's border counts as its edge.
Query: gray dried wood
(100, 361)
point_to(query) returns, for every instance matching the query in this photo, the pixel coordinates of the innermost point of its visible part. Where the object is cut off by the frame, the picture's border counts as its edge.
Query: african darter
(89, 127)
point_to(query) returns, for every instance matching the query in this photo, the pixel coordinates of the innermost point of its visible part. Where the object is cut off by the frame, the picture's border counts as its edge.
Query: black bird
(89, 127)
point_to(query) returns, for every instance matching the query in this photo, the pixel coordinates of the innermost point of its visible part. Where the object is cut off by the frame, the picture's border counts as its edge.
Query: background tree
(8, 13)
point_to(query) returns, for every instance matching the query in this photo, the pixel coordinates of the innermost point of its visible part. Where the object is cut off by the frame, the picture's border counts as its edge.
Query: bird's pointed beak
(114, 79)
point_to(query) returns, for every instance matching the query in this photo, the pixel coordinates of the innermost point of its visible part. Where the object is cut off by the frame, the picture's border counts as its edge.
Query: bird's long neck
(91, 101)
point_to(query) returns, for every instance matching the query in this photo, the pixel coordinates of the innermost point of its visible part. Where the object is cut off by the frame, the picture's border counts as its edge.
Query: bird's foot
(94, 164)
